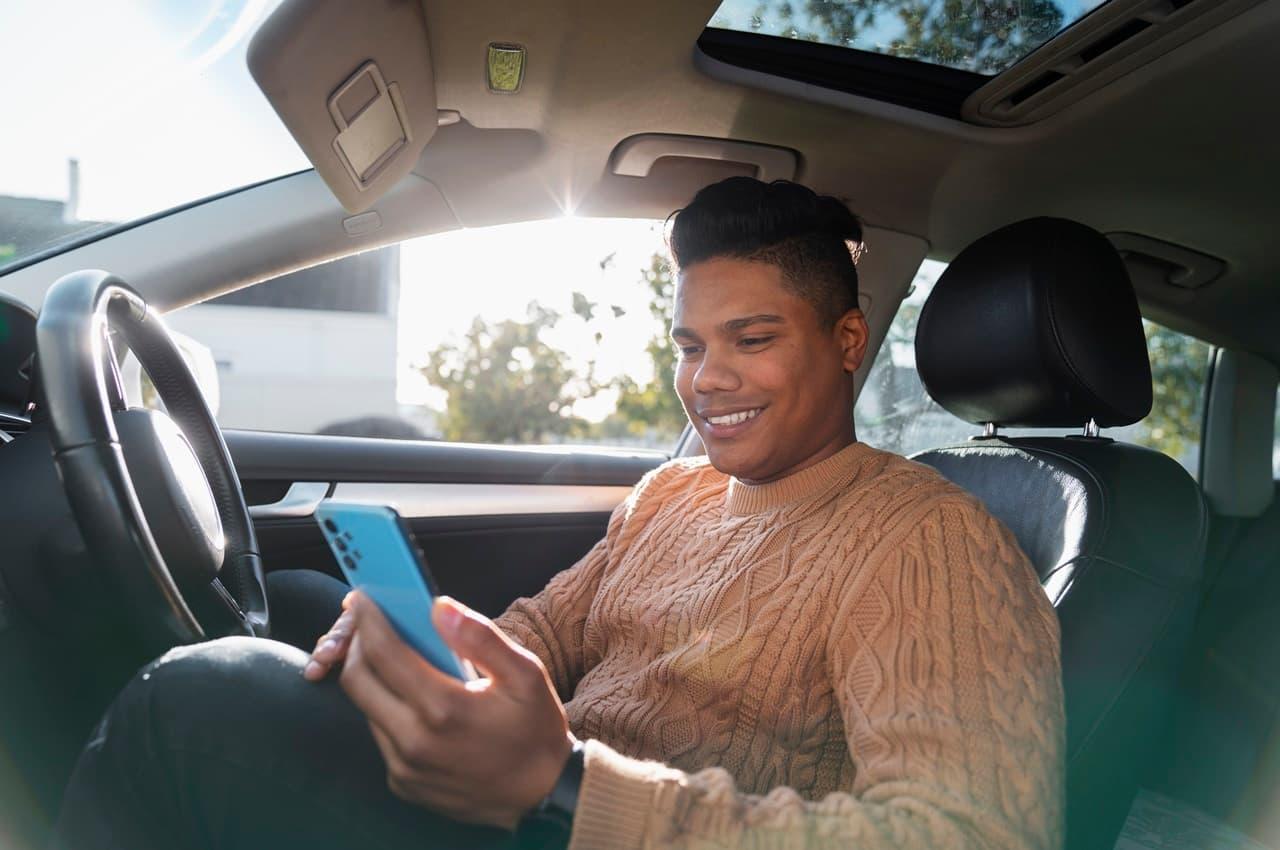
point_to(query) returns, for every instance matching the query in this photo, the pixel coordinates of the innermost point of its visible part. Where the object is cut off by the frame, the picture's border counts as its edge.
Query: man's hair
(813, 239)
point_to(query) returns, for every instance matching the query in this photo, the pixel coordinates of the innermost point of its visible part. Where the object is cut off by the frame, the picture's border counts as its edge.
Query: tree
(897, 398)
(1179, 368)
(655, 405)
(979, 35)
(505, 385)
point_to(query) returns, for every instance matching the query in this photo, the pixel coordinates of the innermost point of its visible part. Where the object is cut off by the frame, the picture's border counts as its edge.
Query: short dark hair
(813, 239)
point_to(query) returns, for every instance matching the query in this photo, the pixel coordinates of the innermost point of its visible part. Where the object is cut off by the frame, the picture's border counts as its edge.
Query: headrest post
(989, 431)
(1091, 428)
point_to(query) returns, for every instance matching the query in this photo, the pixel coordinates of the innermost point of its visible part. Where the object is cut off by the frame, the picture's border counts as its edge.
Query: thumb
(474, 636)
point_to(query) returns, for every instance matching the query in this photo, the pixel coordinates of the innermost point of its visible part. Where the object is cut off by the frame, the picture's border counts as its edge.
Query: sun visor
(352, 82)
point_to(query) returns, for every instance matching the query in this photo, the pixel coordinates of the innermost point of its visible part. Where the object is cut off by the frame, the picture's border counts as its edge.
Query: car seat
(1037, 326)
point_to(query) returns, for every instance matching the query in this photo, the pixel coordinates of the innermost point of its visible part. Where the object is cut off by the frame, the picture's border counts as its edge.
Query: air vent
(1041, 83)
(1119, 37)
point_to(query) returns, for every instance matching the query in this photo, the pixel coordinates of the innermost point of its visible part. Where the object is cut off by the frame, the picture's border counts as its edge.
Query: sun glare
(495, 273)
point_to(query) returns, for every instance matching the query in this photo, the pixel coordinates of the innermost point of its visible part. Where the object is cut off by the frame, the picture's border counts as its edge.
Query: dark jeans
(224, 745)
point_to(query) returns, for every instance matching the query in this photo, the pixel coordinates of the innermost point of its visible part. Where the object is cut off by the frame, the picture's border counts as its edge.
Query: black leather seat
(1037, 325)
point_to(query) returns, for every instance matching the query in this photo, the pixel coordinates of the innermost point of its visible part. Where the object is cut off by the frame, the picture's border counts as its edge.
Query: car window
(1275, 452)
(113, 130)
(541, 332)
(895, 413)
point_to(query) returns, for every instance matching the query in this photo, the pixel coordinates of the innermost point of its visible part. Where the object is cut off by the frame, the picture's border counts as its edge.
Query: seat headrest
(1036, 325)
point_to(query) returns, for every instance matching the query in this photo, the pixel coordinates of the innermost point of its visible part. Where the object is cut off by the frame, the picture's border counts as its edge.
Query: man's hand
(481, 752)
(331, 648)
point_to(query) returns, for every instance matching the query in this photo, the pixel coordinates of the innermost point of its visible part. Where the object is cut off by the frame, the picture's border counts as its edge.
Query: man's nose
(715, 374)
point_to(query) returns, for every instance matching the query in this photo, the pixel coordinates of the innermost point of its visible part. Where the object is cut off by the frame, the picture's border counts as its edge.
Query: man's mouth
(734, 418)
(730, 423)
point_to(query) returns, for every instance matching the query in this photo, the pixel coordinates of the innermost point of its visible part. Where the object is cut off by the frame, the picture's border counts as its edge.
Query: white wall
(296, 370)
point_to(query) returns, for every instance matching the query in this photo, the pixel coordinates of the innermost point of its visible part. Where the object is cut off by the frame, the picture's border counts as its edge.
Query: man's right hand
(331, 648)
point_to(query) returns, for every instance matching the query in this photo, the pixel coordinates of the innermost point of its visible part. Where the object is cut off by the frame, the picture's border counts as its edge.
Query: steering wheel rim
(80, 392)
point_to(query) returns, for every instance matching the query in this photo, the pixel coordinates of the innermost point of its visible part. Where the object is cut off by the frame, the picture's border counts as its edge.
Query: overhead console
(1115, 39)
(353, 84)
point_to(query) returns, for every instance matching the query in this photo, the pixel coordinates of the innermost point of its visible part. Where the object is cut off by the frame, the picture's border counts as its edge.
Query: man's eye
(754, 340)
(687, 351)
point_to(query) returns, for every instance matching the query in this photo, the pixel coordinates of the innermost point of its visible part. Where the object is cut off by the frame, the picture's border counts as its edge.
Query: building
(308, 350)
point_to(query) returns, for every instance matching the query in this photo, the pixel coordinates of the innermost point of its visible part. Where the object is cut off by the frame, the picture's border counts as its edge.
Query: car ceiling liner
(352, 83)
(1116, 38)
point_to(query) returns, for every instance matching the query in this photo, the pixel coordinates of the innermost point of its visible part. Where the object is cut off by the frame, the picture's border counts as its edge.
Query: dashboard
(17, 352)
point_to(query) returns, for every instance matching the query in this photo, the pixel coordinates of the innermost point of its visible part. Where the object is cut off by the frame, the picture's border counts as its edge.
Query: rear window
(895, 413)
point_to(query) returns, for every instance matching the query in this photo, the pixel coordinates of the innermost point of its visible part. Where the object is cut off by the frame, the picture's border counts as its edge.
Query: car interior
(1111, 170)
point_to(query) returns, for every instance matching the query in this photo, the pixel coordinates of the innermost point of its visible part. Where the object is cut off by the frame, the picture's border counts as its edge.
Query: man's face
(766, 385)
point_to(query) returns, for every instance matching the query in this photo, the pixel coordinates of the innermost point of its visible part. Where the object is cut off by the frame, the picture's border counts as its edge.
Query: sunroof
(979, 36)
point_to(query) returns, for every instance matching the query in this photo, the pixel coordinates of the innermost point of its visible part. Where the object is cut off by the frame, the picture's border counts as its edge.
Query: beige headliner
(1183, 149)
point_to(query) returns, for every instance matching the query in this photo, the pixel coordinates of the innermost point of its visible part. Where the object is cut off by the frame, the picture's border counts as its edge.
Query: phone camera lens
(331, 525)
(350, 564)
(342, 546)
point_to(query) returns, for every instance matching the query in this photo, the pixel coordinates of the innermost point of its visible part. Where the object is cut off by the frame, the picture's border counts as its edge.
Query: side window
(542, 332)
(1275, 452)
(895, 413)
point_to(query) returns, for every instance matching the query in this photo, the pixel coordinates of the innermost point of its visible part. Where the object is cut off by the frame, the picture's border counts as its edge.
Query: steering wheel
(155, 495)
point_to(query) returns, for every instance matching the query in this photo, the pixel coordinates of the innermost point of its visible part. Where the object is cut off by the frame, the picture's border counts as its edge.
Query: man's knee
(225, 733)
(231, 694)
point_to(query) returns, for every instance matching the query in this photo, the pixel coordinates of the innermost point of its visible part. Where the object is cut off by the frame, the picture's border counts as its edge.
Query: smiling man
(797, 640)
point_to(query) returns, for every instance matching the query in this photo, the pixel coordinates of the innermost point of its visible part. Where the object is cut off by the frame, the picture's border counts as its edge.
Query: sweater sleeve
(551, 624)
(943, 654)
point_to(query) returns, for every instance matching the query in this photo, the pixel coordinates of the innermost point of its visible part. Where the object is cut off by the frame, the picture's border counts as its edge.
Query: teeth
(734, 418)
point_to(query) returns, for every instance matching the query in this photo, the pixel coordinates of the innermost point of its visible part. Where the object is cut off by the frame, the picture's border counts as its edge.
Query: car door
(495, 523)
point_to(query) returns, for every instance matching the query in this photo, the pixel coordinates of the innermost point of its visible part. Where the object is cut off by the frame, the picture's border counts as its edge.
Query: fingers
(380, 705)
(433, 695)
(331, 648)
(405, 726)
(476, 638)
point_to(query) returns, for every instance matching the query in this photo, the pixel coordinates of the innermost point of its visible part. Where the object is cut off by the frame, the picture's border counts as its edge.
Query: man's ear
(851, 334)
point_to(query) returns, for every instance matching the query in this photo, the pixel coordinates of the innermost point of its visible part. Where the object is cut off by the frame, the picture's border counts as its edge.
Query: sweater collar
(839, 469)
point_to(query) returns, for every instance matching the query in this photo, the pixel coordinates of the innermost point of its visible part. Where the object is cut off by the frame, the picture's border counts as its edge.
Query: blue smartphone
(378, 556)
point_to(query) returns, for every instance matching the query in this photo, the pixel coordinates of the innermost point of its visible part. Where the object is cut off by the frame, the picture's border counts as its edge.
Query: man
(796, 641)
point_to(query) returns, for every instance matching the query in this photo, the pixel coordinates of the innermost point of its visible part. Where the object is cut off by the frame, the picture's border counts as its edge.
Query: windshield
(116, 111)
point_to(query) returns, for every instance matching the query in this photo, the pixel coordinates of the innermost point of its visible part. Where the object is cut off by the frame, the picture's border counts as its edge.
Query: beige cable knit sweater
(854, 656)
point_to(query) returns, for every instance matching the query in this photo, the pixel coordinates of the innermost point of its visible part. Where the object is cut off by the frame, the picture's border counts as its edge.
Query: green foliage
(1179, 368)
(584, 307)
(893, 403)
(655, 405)
(7, 252)
(979, 35)
(505, 385)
